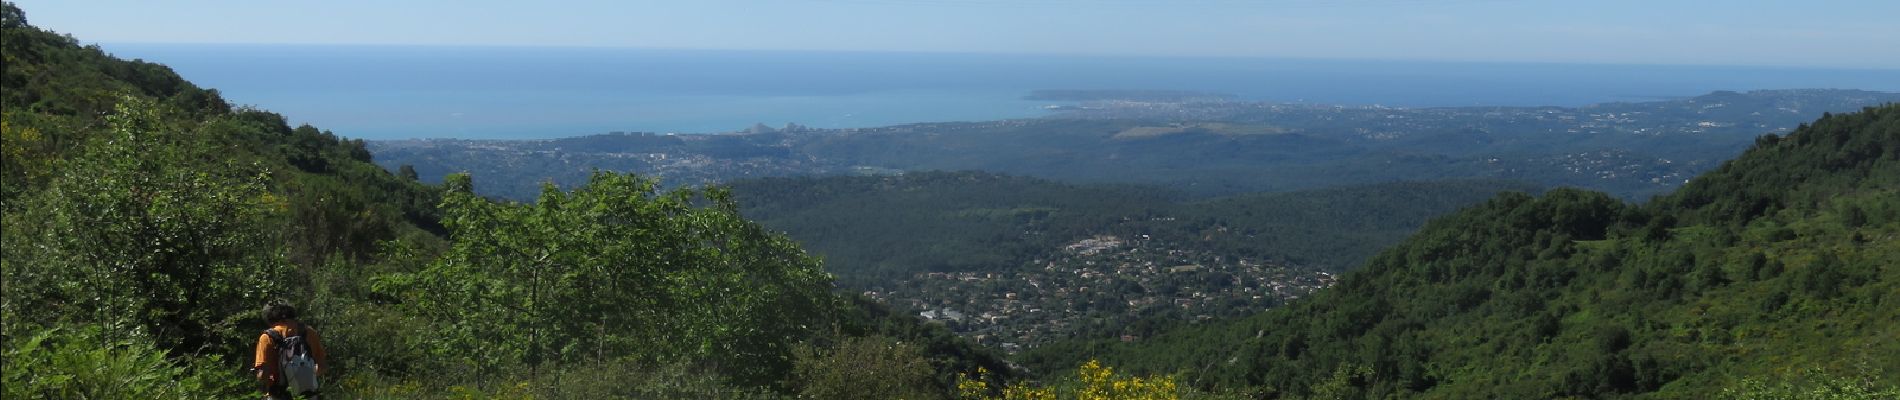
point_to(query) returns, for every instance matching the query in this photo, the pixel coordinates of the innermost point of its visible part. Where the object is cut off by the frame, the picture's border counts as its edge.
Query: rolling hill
(1774, 273)
(144, 221)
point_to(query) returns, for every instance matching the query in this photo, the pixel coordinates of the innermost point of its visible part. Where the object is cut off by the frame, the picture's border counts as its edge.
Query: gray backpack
(294, 363)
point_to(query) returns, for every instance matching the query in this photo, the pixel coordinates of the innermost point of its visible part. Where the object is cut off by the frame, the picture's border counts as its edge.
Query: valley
(1119, 288)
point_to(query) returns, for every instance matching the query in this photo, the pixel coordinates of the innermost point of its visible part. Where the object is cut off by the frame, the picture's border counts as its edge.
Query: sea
(381, 92)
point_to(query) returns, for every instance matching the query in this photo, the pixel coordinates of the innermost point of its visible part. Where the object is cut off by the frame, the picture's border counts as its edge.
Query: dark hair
(274, 312)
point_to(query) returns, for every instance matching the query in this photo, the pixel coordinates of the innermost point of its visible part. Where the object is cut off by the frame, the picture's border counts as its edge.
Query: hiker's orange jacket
(267, 348)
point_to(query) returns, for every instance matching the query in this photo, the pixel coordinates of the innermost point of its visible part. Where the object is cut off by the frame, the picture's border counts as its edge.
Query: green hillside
(146, 221)
(1772, 275)
(880, 229)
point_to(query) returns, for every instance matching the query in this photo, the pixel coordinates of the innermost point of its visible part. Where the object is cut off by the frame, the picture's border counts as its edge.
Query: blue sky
(1830, 33)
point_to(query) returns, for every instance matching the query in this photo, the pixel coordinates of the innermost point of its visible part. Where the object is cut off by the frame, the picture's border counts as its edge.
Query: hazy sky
(1835, 33)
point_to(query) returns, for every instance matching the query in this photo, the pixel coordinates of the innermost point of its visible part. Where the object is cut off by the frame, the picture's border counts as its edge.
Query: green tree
(408, 172)
(141, 233)
(864, 368)
(615, 269)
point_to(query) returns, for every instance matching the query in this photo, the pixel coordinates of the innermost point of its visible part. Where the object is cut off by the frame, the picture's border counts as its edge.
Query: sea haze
(398, 92)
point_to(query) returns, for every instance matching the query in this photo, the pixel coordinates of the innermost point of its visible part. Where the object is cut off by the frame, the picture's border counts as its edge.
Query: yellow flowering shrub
(971, 387)
(1094, 382)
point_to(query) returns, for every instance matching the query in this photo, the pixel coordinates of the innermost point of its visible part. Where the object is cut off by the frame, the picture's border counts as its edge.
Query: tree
(864, 368)
(408, 172)
(11, 17)
(141, 234)
(615, 269)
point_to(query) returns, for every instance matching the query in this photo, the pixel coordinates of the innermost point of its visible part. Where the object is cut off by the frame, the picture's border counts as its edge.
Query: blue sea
(399, 92)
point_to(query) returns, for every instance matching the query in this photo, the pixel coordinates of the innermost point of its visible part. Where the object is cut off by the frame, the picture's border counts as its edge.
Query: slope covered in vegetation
(146, 221)
(1776, 273)
(879, 229)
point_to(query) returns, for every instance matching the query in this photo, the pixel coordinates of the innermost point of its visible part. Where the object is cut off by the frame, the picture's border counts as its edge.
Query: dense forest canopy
(876, 229)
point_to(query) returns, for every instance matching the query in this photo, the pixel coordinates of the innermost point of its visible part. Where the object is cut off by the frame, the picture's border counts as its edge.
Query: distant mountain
(1632, 150)
(1774, 273)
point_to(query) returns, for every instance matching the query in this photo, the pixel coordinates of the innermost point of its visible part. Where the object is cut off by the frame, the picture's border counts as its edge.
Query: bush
(88, 363)
(1810, 384)
(1093, 381)
(622, 379)
(863, 368)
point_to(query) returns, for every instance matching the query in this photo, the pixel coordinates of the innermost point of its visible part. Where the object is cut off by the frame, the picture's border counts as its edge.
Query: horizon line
(1022, 53)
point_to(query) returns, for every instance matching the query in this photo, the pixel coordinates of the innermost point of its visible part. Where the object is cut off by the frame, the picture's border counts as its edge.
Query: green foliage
(1780, 259)
(867, 368)
(1092, 381)
(88, 362)
(613, 269)
(881, 229)
(1829, 158)
(950, 356)
(1810, 384)
(875, 230)
(595, 380)
(158, 218)
(56, 90)
(1347, 382)
(139, 233)
(135, 199)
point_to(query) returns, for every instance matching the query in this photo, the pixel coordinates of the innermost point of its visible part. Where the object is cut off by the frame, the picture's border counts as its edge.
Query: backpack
(295, 365)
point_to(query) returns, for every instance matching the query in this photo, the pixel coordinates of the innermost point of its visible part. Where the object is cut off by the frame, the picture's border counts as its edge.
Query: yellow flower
(1098, 382)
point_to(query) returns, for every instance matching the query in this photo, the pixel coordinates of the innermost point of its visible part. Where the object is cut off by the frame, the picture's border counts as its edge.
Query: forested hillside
(1774, 275)
(146, 222)
(881, 229)
(1015, 262)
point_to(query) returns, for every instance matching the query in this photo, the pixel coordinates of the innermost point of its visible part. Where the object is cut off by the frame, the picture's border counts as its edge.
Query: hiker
(289, 355)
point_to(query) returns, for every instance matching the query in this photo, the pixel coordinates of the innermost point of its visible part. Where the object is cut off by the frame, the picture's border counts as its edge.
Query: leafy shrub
(1810, 384)
(620, 379)
(613, 269)
(86, 362)
(1093, 381)
(863, 368)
